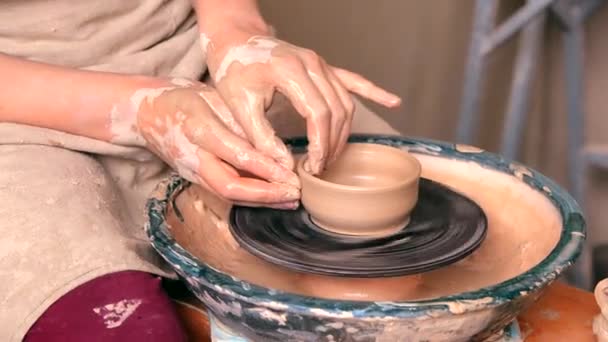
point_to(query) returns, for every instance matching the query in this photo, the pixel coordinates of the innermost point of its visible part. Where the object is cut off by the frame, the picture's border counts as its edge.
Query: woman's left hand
(247, 70)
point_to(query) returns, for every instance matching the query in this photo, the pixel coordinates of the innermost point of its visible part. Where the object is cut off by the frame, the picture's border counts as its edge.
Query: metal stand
(530, 20)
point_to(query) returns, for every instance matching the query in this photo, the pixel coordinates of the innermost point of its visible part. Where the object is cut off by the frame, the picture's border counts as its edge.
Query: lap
(63, 223)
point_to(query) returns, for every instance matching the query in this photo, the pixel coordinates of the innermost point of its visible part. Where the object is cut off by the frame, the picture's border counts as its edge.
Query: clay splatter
(281, 319)
(424, 148)
(205, 41)
(114, 314)
(223, 307)
(325, 313)
(520, 171)
(467, 148)
(550, 315)
(257, 50)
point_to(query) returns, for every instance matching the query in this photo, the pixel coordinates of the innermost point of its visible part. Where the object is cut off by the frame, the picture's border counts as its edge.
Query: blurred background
(419, 50)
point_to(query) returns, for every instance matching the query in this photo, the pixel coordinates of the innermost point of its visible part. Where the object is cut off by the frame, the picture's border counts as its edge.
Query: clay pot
(370, 190)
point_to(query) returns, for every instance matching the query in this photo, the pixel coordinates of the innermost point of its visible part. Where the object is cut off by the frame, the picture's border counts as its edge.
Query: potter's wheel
(445, 227)
(469, 300)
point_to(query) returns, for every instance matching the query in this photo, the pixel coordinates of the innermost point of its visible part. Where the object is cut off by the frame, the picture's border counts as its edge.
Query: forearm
(73, 101)
(229, 17)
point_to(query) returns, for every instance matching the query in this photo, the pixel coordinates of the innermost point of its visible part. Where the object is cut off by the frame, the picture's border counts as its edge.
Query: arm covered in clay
(248, 65)
(185, 123)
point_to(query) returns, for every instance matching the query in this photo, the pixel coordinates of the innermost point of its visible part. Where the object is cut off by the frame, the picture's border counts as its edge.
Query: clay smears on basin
(369, 190)
(445, 227)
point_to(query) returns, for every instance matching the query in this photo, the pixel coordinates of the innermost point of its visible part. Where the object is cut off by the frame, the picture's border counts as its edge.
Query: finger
(283, 206)
(320, 78)
(249, 110)
(349, 107)
(359, 85)
(220, 108)
(308, 101)
(199, 180)
(291, 205)
(236, 151)
(240, 189)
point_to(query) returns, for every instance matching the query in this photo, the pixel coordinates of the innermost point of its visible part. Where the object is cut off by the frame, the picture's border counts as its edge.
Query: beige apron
(72, 207)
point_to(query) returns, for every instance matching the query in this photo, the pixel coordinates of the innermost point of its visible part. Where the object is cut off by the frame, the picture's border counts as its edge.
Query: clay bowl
(535, 232)
(370, 190)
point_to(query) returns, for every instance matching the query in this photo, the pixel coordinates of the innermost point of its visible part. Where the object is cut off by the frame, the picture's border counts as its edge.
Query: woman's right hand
(191, 129)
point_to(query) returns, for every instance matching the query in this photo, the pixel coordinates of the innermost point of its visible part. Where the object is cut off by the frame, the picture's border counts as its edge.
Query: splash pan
(535, 231)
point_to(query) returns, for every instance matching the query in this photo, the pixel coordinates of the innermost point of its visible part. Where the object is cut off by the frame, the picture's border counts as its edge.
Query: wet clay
(523, 227)
(370, 190)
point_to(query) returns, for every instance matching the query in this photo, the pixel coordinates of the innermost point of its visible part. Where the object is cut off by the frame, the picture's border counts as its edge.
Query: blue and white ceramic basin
(535, 232)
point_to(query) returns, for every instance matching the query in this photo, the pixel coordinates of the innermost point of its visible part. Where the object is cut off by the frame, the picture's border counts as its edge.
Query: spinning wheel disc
(445, 227)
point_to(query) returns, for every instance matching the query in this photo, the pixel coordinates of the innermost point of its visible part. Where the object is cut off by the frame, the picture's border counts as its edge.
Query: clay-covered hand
(191, 128)
(247, 71)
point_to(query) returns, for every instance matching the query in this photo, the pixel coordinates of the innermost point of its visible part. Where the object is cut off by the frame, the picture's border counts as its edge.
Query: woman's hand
(191, 128)
(248, 69)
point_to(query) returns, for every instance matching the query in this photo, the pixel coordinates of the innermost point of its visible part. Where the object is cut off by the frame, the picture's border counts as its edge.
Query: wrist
(127, 115)
(217, 39)
(236, 24)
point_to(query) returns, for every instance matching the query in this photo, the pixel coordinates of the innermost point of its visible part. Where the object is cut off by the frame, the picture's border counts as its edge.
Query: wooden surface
(195, 322)
(564, 313)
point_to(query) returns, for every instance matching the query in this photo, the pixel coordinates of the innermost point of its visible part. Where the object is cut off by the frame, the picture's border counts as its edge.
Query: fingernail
(335, 156)
(313, 167)
(291, 193)
(285, 176)
(287, 206)
(330, 160)
(285, 157)
(393, 99)
(294, 180)
(306, 166)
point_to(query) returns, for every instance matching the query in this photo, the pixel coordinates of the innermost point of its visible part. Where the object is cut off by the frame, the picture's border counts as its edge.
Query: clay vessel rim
(414, 172)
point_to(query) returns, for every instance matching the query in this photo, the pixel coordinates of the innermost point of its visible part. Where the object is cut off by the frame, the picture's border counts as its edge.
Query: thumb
(249, 110)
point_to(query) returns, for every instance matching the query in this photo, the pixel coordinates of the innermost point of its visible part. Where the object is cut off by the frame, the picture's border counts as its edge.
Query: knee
(123, 306)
